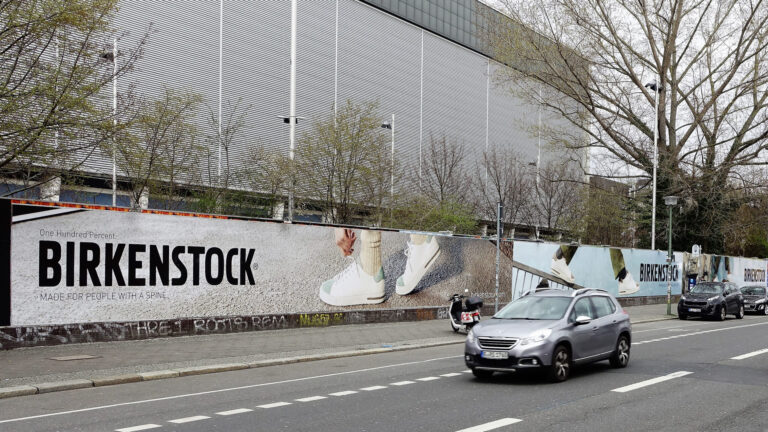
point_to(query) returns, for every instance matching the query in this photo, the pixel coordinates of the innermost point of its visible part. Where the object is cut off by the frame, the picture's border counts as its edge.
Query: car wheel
(482, 374)
(683, 317)
(620, 357)
(561, 365)
(722, 314)
(765, 310)
(740, 315)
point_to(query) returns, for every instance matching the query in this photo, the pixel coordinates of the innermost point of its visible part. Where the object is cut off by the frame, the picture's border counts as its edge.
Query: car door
(731, 299)
(607, 332)
(584, 343)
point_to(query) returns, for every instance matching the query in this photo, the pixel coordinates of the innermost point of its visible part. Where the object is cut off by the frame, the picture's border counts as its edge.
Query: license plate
(694, 310)
(499, 355)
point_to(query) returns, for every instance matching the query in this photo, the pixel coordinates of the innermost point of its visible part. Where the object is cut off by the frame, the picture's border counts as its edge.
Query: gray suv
(551, 330)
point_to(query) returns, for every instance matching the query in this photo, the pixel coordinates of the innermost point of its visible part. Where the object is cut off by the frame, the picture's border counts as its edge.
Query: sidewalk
(53, 368)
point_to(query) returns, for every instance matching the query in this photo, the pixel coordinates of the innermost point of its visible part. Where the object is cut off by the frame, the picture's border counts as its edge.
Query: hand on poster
(345, 239)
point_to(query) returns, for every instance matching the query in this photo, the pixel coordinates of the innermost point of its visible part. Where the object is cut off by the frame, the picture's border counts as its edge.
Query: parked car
(551, 330)
(755, 299)
(712, 299)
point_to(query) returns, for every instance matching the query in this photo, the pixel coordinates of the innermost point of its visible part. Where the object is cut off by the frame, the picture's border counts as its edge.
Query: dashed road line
(748, 355)
(452, 374)
(234, 411)
(189, 419)
(343, 393)
(652, 381)
(492, 425)
(138, 428)
(429, 378)
(373, 388)
(311, 399)
(273, 405)
(402, 383)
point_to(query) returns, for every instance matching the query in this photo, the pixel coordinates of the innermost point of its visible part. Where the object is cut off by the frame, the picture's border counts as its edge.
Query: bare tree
(594, 59)
(502, 177)
(555, 203)
(444, 177)
(159, 151)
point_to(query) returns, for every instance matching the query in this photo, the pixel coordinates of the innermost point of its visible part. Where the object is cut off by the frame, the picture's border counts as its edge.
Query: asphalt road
(683, 376)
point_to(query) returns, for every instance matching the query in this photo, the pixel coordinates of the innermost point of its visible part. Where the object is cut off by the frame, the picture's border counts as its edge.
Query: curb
(26, 390)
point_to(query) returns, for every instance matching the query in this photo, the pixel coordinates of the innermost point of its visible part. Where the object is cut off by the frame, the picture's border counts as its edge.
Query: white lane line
(492, 425)
(452, 374)
(402, 383)
(649, 382)
(188, 419)
(697, 333)
(373, 388)
(138, 428)
(274, 405)
(311, 399)
(245, 387)
(343, 393)
(430, 378)
(467, 371)
(748, 355)
(234, 411)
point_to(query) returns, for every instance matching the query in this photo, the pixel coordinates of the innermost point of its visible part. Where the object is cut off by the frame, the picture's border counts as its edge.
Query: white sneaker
(353, 286)
(560, 269)
(420, 259)
(628, 285)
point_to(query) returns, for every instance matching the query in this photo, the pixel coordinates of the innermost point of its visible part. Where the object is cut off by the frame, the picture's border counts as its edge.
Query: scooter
(464, 317)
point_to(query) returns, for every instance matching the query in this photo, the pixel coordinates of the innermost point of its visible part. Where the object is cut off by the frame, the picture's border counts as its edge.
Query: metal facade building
(420, 59)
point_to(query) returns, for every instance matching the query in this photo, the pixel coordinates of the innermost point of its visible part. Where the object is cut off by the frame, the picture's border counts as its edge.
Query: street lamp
(391, 125)
(670, 201)
(656, 87)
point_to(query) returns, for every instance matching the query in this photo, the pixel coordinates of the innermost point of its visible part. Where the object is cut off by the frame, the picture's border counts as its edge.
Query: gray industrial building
(420, 59)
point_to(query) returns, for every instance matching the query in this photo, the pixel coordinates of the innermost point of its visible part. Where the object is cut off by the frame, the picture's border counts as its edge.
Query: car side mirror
(582, 319)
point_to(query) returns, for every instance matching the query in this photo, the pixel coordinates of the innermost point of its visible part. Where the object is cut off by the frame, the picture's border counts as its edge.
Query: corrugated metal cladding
(379, 59)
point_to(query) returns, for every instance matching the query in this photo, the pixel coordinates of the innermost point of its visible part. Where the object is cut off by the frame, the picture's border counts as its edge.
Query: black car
(712, 299)
(755, 299)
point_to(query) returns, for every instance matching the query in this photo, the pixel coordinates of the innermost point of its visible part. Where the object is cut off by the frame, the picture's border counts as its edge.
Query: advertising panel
(71, 265)
(621, 272)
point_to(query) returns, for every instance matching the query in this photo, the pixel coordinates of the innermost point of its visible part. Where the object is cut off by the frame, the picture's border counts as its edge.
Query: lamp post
(670, 201)
(656, 89)
(391, 125)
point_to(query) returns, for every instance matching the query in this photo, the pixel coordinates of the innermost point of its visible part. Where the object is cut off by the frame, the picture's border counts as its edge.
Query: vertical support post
(6, 219)
(392, 174)
(114, 122)
(292, 113)
(221, 68)
(655, 162)
(499, 235)
(669, 265)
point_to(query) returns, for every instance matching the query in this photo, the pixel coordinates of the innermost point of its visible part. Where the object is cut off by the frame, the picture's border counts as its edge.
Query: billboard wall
(621, 272)
(80, 266)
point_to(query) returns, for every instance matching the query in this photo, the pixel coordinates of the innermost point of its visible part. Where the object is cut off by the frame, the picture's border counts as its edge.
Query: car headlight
(471, 336)
(713, 298)
(761, 301)
(682, 297)
(536, 337)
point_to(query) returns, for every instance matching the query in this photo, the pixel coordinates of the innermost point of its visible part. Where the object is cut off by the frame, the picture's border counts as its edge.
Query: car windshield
(707, 288)
(753, 290)
(535, 308)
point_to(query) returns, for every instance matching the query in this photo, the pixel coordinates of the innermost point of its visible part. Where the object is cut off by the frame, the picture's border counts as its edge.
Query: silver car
(551, 330)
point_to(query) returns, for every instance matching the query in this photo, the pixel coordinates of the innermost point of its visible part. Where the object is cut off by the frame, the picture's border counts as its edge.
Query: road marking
(188, 419)
(311, 399)
(492, 425)
(373, 388)
(452, 374)
(343, 393)
(138, 428)
(467, 371)
(246, 387)
(430, 378)
(234, 411)
(274, 405)
(697, 333)
(649, 382)
(748, 355)
(402, 383)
